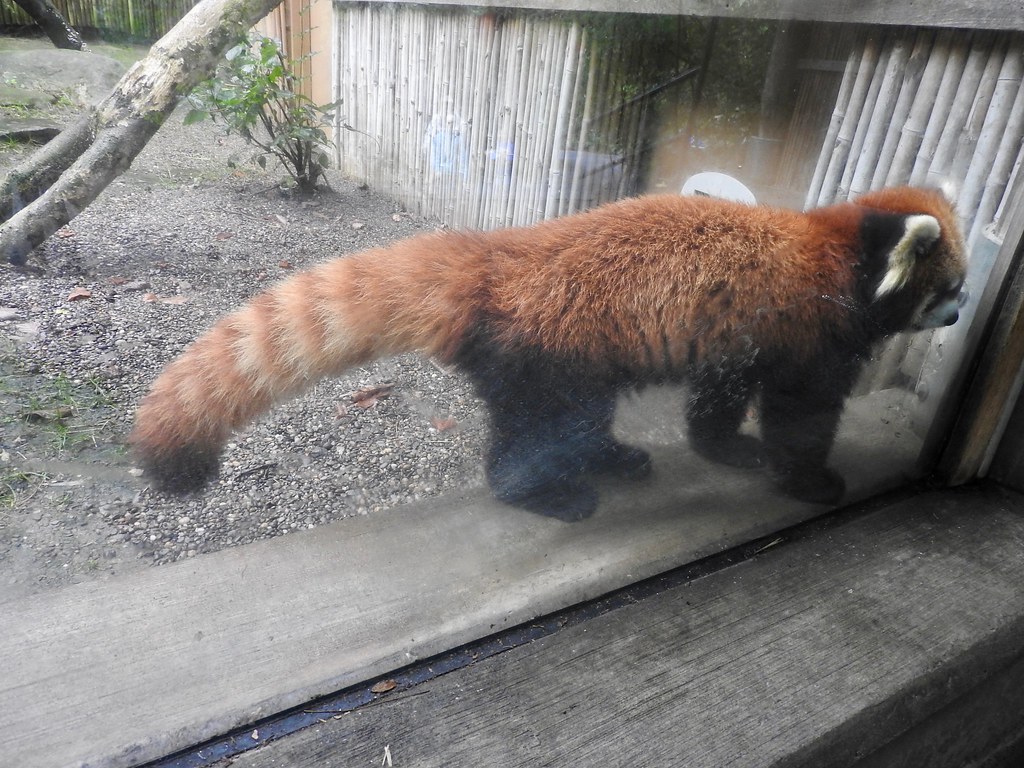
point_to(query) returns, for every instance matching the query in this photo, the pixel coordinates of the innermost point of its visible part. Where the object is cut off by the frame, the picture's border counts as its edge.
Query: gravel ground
(168, 248)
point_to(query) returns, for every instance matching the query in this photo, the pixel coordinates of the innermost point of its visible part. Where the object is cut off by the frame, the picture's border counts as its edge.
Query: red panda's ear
(919, 234)
(950, 190)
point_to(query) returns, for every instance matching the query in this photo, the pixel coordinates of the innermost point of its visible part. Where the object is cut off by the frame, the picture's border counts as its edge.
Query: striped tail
(413, 296)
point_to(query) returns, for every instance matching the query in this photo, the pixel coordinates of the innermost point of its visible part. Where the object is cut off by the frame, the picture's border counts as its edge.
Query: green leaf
(196, 116)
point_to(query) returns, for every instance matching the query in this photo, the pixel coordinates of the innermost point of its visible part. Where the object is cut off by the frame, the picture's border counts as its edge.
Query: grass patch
(15, 482)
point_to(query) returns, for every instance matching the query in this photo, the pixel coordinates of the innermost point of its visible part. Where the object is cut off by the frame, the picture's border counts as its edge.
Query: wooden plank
(817, 653)
(962, 14)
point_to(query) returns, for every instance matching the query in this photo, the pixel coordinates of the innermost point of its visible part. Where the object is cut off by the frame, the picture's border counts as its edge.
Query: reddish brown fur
(602, 288)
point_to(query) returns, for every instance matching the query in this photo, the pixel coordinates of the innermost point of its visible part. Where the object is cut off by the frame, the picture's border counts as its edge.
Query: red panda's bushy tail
(419, 294)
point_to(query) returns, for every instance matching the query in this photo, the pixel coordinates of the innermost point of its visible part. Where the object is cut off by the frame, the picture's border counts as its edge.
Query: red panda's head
(922, 264)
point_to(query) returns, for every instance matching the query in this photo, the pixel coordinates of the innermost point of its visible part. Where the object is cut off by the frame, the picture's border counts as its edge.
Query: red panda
(552, 321)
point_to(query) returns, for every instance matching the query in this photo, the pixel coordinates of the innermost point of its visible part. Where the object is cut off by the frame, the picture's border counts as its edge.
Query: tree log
(61, 34)
(55, 184)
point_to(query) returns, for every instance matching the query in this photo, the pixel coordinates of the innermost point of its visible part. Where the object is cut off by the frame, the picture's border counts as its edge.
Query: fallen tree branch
(57, 183)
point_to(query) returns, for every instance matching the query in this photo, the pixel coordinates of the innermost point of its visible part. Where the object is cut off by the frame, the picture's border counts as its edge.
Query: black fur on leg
(568, 500)
(183, 472)
(799, 418)
(719, 396)
(549, 429)
(616, 459)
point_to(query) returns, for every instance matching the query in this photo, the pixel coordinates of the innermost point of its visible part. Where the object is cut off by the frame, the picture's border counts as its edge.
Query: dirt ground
(85, 327)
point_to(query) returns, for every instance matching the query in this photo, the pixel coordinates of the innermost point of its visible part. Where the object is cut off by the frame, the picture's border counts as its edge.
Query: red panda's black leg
(542, 449)
(799, 423)
(716, 408)
(534, 463)
(549, 430)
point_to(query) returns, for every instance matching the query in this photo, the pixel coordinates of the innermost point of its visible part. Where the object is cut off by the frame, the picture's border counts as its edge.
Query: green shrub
(255, 95)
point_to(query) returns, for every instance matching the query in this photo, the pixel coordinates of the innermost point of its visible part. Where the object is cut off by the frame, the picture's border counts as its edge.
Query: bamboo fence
(485, 119)
(931, 108)
(139, 19)
(934, 108)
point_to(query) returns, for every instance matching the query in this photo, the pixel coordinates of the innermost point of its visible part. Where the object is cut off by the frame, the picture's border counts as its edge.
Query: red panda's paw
(568, 500)
(184, 472)
(818, 485)
(625, 462)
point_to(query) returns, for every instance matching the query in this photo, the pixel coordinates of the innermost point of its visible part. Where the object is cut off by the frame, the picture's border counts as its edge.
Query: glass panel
(573, 279)
(521, 117)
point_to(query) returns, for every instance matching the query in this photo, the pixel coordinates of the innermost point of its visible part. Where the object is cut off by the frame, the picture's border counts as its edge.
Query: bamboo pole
(919, 65)
(522, 192)
(421, 80)
(343, 91)
(357, 100)
(631, 142)
(399, 87)
(571, 137)
(863, 127)
(521, 154)
(437, 46)
(434, 63)
(455, 122)
(375, 123)
(529, 195)
(1001, 219)
(576, 187)
(515, 111)
(1005, 168)
(336, 79)
(967, 141)
(596, 140)
(547, 118)
(891, 81)
(464, 105)
(939, 169)
(844, 137)
(375, 65)
(449, 114)
(497, 56)
(612, 122)
(998, 144)
(479, 39)
(952, 74)
(561, 127)
(831, 141)
(920, 132)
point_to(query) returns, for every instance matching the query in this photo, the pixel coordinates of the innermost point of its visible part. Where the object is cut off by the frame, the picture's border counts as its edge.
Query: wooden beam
(967, 14)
